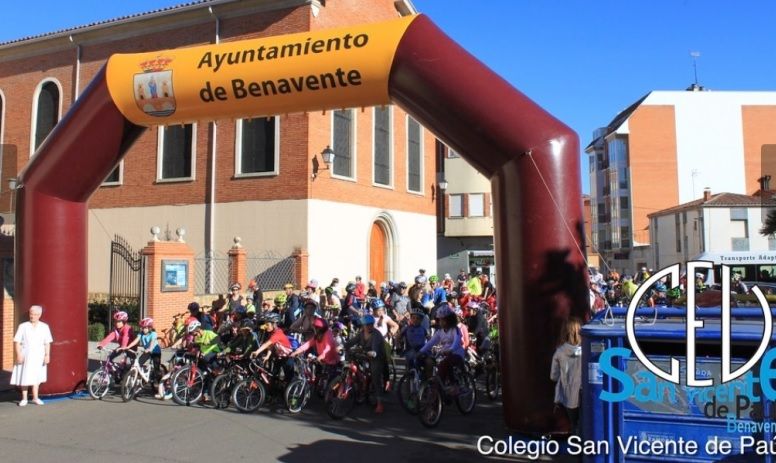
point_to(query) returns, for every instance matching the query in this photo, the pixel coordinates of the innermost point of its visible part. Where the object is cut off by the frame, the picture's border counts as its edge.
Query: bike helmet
(147, 322)
(458, 311)
(311, 302)
(313, 284)
(193, 326)
(193, 307)
(473, 305)
(280, 299)
(236, 286)
(272, 317)
(416, 312)
(368, 320)
(384, 285)
(241, 310)
(120, 316)
(377, 304)
(320, 324)
(443, 311)
(248, 324)
(433, 278)
(350, 287)
(402, 285)
(339, 326)
(420, 279)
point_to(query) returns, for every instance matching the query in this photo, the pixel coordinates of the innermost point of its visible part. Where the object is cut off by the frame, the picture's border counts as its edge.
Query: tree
(769, 224)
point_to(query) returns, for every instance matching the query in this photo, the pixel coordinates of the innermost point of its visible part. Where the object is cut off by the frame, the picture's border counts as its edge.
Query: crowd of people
(382, 320)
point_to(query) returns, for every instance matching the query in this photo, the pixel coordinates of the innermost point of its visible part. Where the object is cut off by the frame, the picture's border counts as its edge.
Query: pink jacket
(123, 337)
(326, 348)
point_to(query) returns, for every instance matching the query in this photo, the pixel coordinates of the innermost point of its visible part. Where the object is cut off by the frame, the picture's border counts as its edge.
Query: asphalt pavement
(80, 429)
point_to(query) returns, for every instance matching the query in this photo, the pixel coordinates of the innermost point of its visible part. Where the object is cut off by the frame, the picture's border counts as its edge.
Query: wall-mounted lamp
(442, 182)
(328, 158)
(13, 184)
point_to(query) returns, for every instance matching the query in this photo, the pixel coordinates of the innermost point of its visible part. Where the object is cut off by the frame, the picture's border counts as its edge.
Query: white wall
(343, 251)
(709, 125)
(718, 230)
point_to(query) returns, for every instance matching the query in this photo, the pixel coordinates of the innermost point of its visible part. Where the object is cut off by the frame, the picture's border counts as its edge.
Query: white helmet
(193, 326)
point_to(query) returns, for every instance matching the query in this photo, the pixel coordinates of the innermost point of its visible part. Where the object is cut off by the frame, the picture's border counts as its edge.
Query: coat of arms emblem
(153, 87)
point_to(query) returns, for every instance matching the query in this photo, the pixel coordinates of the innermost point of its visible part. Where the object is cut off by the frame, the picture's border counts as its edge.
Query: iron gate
(126, 280)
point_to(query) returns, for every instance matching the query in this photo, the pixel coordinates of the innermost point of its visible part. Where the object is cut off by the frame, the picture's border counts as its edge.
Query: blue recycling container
(659, 410)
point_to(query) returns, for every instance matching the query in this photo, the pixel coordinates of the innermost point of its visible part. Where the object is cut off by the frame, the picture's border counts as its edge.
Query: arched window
(45, 112)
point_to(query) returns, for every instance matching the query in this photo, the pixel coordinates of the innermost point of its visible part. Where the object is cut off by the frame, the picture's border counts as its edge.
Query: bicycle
(250, 393)
(188, 383)
(221, 389)
(307, 380)
(350, 387)
(433, 394)
(408, 387)
(108, 374)
(138, 377)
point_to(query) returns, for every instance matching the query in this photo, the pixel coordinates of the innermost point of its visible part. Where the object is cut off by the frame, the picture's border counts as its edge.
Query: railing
(271, 271)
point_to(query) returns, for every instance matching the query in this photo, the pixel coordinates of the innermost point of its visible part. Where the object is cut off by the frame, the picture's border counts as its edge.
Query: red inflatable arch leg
(536, 202)
(51, 236)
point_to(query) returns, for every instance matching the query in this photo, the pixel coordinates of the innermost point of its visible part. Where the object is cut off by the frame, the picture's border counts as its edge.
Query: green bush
(96, 332)
(100, 311)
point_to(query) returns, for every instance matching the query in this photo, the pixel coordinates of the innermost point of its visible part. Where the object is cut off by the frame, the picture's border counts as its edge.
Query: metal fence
(211, 274)
(271, 271)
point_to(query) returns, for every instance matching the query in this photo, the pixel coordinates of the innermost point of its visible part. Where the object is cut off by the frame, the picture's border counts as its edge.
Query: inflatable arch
(530, 157)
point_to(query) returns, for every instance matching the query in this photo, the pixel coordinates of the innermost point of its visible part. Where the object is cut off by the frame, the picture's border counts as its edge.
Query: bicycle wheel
(128, 385)
(467, 394)
(429, 404)
(221, 391)
(340, 400)
(297, 395)
(248, 395)
(188, 385)
(492, 383)
(407, 392)
(99, 384)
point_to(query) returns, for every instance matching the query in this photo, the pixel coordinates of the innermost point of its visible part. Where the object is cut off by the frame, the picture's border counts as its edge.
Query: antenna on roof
(695, 55)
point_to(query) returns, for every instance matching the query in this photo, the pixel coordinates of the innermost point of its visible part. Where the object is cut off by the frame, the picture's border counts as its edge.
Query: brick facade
(163, 305)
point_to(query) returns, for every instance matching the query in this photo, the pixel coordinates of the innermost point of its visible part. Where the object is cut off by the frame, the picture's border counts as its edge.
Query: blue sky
(583, 61)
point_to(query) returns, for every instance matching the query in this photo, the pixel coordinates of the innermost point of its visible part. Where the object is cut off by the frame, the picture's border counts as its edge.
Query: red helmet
(147, 322)
(120, 316)
(320, 324)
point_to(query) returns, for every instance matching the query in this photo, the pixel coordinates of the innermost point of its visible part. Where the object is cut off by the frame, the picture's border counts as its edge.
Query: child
(148, 341)
(566, 371)
(338, 331)
(414, 336)
(121, 334)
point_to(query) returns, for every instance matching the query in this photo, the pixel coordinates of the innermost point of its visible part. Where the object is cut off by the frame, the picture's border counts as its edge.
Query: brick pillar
(300, 272)
(164, 302)
(237, 267)
(7, 310)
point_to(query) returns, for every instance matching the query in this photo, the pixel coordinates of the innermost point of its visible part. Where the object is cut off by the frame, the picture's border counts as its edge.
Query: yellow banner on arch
(334, 68)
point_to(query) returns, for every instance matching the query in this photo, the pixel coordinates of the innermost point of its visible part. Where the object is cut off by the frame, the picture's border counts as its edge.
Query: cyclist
(440, 294)
(400, 302)
(293, 305)
(304, 324)
(414, 336)
(448, 337)
(448, 283)
(372, 342)
(478, 326)
(122, 334)
(250, 307)
(360, 290)
(277, 340)
(325, 348)
(148, 341)
(387, 327)
(209, 345)
(351, 306)
(245, 342)
(280, 302)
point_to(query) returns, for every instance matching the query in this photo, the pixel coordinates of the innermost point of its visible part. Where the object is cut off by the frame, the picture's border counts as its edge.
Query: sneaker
(158, 396)
(23, 403)
(379, 408)
(37, 401)
(168, 396)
